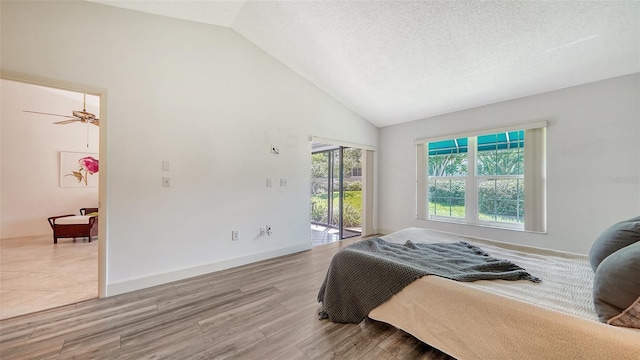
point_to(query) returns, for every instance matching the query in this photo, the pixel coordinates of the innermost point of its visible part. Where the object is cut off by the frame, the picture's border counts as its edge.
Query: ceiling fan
(81, 116)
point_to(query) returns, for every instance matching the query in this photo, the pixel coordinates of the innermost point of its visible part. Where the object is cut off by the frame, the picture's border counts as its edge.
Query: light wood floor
(266, 310)
(36, 274)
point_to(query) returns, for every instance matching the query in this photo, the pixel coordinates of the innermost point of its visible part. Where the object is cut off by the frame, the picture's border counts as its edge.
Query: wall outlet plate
(235, 235)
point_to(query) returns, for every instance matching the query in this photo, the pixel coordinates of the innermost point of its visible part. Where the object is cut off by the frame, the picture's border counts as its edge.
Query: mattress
(500, 319)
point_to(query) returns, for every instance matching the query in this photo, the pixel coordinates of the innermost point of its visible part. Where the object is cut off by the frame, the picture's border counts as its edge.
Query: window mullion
(471, 184)
(422, 208)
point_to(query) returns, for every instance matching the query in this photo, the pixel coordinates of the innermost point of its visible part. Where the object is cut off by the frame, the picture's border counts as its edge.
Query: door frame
(368, 175)
(102, 187)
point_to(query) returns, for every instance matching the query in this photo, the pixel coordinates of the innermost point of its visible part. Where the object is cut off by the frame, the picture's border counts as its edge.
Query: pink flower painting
(86, 166)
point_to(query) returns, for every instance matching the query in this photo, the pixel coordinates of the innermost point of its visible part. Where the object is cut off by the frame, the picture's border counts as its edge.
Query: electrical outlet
(283, 182)
(262, 232)
(166, 181)
(235, 235)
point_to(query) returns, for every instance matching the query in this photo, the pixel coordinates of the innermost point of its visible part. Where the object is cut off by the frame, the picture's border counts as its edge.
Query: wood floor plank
(20, 328)
(75, 350)
(302, 296)
(365, 337)
(265, 310)
(37, 350)
(154, 342)
(85, 321)
(299, 319)
(316, 346)
(235, 322)
(188, 313)
(404, 346)
(378, 354)
(218, 348)
(284, 337)
(289, 353)
(178, 300)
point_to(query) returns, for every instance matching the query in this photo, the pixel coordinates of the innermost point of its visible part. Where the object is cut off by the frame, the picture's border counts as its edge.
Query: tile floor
(323, 235)
(36, 274)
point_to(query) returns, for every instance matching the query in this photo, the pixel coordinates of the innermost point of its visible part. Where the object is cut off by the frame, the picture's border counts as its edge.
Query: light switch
(283, 182)
(165, 165)
(269, 182)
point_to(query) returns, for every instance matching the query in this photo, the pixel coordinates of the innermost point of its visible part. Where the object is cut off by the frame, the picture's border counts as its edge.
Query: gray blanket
(368, 273)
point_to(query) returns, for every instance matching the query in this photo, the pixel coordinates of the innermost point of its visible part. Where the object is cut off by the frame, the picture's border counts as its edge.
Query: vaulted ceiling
(397, 61)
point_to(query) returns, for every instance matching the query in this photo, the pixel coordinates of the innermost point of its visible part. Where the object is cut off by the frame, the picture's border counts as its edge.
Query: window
(479, 178)
(500, 177)
(447, 170)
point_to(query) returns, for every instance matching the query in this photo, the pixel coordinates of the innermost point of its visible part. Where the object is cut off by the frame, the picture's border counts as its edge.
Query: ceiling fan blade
(96, 122)
(44, 113)
(66, 121)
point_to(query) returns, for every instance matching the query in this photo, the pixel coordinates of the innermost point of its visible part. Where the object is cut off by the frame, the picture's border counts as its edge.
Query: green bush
(501, 200)
(352, 208)
(351, 215)
(319, 211)
(504, 198)
(453, 189)
(353, 186)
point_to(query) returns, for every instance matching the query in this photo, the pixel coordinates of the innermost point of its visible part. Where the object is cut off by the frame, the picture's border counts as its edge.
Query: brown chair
(74, 226)
(85, 211)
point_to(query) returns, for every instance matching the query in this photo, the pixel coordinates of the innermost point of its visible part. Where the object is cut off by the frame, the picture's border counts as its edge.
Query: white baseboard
(159, 279)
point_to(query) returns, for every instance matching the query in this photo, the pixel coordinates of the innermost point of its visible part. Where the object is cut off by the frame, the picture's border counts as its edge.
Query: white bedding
(500, 319)
(72, 220)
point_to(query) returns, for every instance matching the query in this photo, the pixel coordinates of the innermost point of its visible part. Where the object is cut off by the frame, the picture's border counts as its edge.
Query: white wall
(203, 98)
(29, 157)
(592, 161)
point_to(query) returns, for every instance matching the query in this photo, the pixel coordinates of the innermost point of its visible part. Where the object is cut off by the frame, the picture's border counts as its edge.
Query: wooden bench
(73, 226)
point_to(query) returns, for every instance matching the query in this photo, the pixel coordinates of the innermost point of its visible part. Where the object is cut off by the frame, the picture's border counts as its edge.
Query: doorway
(336, 193)
(40, 129)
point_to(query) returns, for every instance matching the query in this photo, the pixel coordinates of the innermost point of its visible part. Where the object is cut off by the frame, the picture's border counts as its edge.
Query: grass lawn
(446, 210)
(354, 198)
(458, 212)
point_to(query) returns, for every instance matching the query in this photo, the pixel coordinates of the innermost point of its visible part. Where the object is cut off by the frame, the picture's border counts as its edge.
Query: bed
(500, 319)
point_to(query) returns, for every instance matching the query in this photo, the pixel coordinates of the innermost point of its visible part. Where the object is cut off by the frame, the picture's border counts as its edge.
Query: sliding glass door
(336, 192)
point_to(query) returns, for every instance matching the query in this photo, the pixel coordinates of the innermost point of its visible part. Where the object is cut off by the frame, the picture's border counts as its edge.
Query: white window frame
(534, 177)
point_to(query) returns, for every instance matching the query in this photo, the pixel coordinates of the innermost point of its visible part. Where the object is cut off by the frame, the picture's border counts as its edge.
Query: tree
(319, 170)
(500, 162)
(448, 165)
(351, 159)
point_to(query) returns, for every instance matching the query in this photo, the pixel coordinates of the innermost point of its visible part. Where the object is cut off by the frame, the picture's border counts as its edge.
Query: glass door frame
(331, 177)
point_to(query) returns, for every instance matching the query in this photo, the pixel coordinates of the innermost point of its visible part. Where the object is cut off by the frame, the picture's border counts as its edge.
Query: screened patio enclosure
(336, 193)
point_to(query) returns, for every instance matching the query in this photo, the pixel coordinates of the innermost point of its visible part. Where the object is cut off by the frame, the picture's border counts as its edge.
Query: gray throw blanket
(368, 273)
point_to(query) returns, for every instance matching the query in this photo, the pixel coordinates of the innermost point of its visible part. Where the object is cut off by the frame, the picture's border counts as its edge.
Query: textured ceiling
(397, 61)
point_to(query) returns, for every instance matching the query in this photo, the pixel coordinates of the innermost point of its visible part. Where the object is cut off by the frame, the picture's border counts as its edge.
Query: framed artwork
(78, 169)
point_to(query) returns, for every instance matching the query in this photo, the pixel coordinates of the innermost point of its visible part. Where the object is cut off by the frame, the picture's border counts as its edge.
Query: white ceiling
(397, 61)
